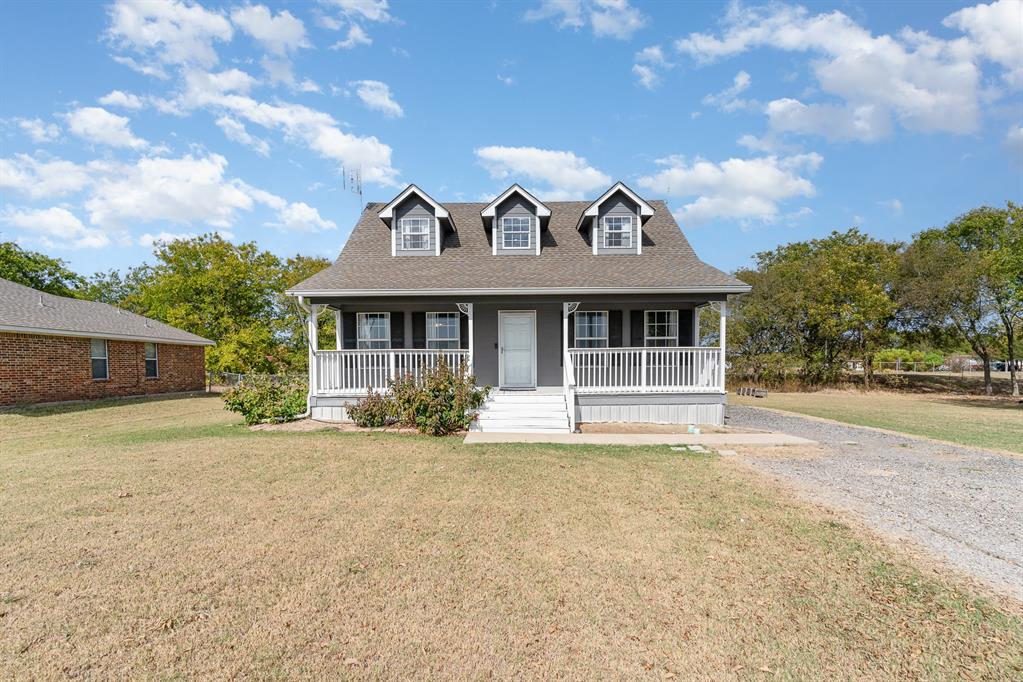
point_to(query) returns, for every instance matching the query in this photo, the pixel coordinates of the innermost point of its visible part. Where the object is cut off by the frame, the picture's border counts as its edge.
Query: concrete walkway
(712, 441)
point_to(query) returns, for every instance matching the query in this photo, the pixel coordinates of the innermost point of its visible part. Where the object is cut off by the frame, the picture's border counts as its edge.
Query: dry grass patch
(972, 421)
(164, 539)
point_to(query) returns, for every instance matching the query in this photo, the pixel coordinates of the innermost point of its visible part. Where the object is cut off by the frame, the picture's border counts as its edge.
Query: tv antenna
(351, 180)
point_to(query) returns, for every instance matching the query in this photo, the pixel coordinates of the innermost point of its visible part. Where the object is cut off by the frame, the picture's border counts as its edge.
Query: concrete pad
(713, 441)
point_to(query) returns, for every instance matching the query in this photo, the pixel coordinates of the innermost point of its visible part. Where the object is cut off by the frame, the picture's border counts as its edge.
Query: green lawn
(980, 422)
(163, 539)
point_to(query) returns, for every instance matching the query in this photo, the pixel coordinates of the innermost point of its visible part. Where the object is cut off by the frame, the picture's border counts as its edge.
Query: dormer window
(515, 220)
(516, 231)
(415, 233)
(617, 232)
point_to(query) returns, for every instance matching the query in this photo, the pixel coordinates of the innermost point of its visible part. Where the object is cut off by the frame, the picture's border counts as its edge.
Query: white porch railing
(647, 370)
(353, 372)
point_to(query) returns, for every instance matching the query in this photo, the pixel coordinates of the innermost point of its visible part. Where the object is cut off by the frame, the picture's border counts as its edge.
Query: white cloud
(99, 126)
(996, 33)
(280, 34)
(507, 80)
(356, 37)
(566, 175)
(42, 179)
(38, 130)
(728, 99)
(168, 32)
(224, 92)
(647, 77)
(377, 96)
(301, 217)
(746, 190)
(118, 98)
(279, 71)
(766, 144)
(1014, 143)
(893, 205)
(236, 132)
(369, 10)
(55, 227)
(925, 83)
(650, 62)
(154, 70)
(865, 122)
(607, 18)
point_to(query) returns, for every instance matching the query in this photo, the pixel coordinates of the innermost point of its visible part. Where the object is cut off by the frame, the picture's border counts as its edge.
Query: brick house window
(99, 357)
(152, 362)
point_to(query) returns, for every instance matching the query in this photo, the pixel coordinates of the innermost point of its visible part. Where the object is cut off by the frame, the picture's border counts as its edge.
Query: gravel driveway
(963, 504)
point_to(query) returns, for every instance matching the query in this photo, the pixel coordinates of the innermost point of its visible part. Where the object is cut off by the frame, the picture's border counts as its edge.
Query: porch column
(466, 309)
(696, 326)
(724, 324)
(337, 329)
(313, 333)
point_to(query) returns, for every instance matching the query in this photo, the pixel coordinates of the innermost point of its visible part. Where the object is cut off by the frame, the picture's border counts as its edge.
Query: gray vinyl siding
(413, 207)
(617, 204)
(515, 206)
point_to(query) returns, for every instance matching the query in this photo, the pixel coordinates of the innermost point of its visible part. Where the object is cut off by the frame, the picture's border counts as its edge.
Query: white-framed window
(373, 330)
(591, 329)
(516, 232)
(443, 330)
(661, 328)
(617, 232)
(152, 361)
(100, 359)
(415, 233)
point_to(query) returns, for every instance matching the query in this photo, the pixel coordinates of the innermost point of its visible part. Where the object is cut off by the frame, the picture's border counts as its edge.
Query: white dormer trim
(388, 211)
(645, 209)
(541, 210)
(436, 236)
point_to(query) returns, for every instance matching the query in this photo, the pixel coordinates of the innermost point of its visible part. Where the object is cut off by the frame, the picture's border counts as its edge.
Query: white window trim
(529, 233)
(155, 358)
(105, 358)
(607, 329)
(604, 222)
(425, 233)
(458, 329)
(646, 328)
(358, 331)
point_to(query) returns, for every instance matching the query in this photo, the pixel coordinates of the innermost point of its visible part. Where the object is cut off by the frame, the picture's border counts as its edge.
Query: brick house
(54, 348)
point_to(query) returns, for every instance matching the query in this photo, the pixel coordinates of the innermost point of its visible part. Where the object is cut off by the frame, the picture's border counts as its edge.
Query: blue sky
(126, 122)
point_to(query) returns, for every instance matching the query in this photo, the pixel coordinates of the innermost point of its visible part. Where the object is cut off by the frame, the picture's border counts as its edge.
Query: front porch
(574, 349)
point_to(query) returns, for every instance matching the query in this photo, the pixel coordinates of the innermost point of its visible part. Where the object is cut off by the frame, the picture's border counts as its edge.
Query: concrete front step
(514, 399)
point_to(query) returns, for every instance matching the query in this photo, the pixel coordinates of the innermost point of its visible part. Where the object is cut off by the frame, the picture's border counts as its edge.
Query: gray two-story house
(574, 311)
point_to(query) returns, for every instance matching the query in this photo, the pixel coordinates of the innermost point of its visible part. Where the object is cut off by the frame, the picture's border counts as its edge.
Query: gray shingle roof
(25, 310)
(566, 260)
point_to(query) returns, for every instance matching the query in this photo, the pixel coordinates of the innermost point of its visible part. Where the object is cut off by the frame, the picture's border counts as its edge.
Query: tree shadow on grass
(46, 410)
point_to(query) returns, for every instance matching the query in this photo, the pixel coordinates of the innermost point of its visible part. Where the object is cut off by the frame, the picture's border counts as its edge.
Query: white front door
(517, 341)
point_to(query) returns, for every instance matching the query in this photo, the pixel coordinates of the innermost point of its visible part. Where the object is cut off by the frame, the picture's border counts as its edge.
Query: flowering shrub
(268, 399)
(440, 401)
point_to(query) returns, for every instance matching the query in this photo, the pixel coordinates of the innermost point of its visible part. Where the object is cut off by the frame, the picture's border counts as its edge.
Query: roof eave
(514, 291)
(47, 331)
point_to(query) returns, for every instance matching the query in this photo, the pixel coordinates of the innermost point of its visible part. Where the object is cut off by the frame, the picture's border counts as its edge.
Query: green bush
(373, 411)
(268, 399)
(438, 402)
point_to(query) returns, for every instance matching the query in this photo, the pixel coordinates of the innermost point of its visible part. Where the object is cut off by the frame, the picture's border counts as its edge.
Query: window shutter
(397, 329)
(614, 329)
(685, 328)
(349, 334)
(419, 330)
(397, 234)
(463, 331)
(571, 330)
(636, 329)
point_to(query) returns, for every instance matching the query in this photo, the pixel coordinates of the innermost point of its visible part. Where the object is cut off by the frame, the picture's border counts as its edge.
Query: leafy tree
(941, 285)
(219, 290)
(37, 270)
(291, 319)
(996, 237)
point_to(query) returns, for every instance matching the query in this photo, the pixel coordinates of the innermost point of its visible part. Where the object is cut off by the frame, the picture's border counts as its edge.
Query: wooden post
(313, 334)
(724, 325)
(472, 334)
(337, 330)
